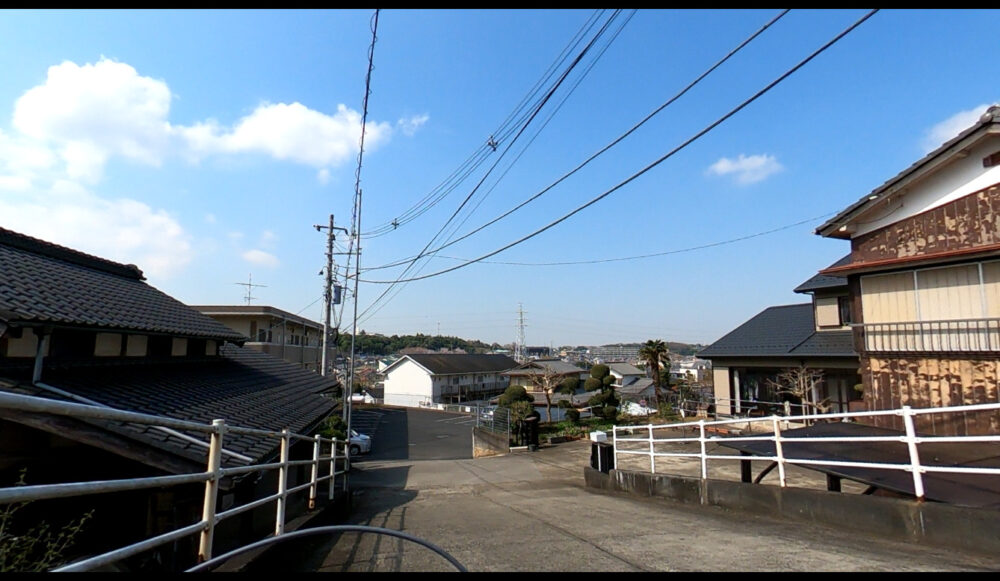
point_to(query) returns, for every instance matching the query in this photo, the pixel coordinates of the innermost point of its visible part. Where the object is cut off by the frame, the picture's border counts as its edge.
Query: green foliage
(376, 344)
(334, 427)
(600, 371)
(38, 548)
(514, 394)
(608, 381)
(605, 398)
(592, 384)
(519, 410)
(564, 404)
(573, 415)
(569, 385)
(609, 412)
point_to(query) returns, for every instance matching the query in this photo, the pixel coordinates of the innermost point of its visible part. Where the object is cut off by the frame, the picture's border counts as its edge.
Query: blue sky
(203, 146)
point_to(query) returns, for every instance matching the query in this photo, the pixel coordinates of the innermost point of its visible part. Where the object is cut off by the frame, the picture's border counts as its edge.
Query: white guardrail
(909, 437)
(213, 473)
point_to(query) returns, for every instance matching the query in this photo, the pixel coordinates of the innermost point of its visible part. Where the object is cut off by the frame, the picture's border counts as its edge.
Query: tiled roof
(982, 126)
(637, 386)
(451, 363)
(244, 387)
(625, 369)
(42, 282)
(782, 330)
(823, 281)
(539, 367)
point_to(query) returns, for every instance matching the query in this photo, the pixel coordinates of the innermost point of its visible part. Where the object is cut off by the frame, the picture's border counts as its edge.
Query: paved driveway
(530, 511)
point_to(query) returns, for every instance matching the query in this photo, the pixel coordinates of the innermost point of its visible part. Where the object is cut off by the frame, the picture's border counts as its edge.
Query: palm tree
(653, 352)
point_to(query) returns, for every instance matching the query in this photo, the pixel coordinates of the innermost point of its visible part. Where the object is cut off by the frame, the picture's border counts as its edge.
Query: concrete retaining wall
(487, 443)
(973, 529)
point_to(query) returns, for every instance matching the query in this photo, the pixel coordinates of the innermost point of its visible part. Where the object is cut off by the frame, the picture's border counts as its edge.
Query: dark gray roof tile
(42, 282)
(781, 330)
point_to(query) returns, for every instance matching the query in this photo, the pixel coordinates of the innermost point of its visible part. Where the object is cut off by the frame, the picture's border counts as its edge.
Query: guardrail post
(211, 491)
(778, 451)
(315, 473)
(279, 520)
(704, 457)
(652, 452)
(333, 469)
(911, 443)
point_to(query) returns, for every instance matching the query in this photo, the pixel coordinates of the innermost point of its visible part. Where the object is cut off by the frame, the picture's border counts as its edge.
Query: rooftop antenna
(250, 286)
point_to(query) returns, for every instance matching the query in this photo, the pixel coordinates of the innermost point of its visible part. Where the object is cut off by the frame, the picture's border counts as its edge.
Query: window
(844, 306)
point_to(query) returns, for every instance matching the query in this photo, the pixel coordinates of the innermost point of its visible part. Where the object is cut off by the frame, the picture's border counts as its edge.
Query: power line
(480, 155)
(636, 175)
(655, 254)
(534, 113)
(604, 149)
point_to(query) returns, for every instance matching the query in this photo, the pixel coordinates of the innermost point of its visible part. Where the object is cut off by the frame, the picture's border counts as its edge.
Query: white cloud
(260, 258)
(323, 176)
(409, 126)
(951, 127)
(91, 112)
(747, 169)
(122, 230)
(290, 132)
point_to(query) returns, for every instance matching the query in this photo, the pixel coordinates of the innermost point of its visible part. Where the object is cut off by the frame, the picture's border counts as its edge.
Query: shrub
(513, 394)
(573, 415)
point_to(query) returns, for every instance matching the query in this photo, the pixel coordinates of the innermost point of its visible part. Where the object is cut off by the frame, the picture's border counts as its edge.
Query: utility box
(598, 437)
(602, 456)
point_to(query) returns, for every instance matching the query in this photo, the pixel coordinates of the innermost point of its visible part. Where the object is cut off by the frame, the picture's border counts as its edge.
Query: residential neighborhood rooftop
(44, 283)
(781, 330)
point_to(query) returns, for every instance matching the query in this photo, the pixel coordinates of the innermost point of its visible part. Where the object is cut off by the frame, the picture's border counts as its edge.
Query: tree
(803, 383)
(512, 394)
(569, 385)
(655, 352)
(593, 384)
(546, 381)
(600, 371)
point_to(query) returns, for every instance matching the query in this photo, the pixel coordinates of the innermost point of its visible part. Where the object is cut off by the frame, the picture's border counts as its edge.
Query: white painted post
(704, 456)
(911, 443)
(333, 468)
(211, 490)
(315, 473)
(279, 521)
(778, 452)
(652, 452)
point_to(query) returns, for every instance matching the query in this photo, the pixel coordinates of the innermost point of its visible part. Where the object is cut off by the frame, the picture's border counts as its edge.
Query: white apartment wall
(408, 384)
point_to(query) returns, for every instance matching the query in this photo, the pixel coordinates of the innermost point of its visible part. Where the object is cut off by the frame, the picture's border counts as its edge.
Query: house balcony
(951, 336)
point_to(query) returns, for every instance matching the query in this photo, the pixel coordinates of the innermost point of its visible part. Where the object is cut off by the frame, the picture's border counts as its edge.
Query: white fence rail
(325, 454)
(909, 438)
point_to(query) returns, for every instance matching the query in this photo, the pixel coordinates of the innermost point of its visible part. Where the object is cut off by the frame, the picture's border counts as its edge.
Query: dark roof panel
(782, 330)
(449, 363)
(823, 281)
(43, 283)
(244, 387)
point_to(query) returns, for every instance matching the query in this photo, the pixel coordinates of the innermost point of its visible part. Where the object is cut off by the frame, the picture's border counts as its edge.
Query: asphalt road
(531, 512)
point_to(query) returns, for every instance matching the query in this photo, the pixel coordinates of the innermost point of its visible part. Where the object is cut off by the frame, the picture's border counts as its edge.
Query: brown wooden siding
(925, 382)
(968, 222)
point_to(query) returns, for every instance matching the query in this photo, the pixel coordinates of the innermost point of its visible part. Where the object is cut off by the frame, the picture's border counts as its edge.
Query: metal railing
(646, 446)
(957, 335)
(211, 477)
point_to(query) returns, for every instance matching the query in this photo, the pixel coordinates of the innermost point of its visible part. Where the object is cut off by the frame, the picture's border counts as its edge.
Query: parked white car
(359, 443)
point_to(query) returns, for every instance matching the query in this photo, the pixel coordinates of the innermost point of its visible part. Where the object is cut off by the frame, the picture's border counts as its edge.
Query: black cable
(663, 158)
(602, 150)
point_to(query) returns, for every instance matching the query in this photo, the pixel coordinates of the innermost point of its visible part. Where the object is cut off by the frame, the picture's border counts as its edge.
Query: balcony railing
(956, 335)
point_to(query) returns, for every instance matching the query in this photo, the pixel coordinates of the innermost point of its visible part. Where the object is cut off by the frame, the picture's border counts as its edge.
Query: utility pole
(328, 288)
